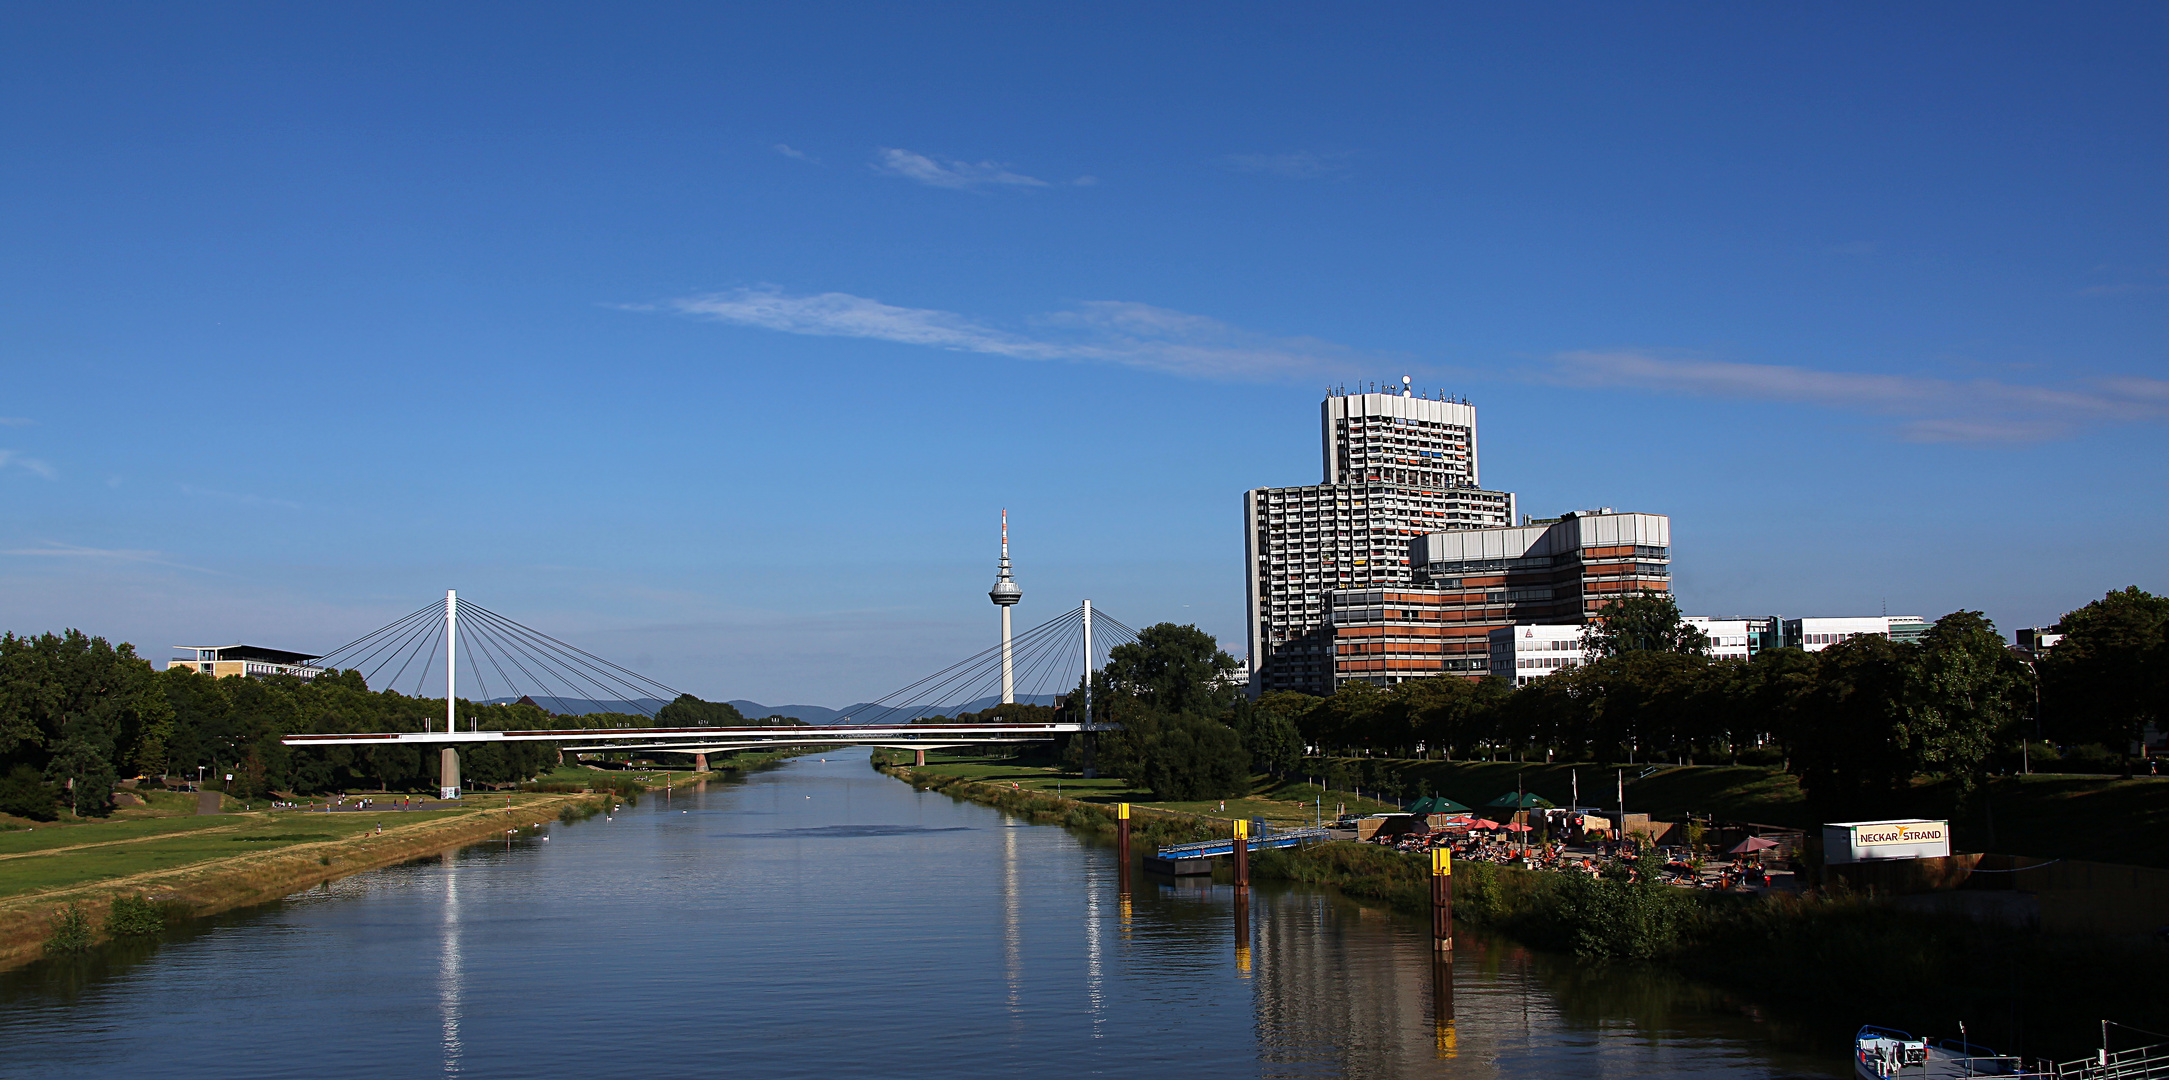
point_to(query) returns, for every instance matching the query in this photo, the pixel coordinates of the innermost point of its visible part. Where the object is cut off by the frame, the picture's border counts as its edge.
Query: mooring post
(1242, 853)
(1122, 838)
(1442, 899)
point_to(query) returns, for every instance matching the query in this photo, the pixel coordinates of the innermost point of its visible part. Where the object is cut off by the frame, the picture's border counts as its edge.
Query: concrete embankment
(211, 886)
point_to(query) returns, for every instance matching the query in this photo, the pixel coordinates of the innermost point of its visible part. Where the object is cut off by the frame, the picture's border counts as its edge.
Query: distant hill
(583, 706)
(868, 713)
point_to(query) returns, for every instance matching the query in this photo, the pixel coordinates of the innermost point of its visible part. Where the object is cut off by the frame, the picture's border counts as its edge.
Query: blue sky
(714, 339)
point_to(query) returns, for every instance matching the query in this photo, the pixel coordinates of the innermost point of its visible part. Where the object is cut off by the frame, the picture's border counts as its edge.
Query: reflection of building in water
(1367, 1001)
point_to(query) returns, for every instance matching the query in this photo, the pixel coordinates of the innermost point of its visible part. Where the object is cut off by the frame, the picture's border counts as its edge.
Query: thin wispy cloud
(237, 497)
(27, 463)
(787, 151)
(55, 550)
(16, 421)
(1927, 409)
(949, 173)
(1300, 165)
(1114, 332)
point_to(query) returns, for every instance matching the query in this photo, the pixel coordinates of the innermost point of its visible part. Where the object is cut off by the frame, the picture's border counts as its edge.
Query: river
(820, 919)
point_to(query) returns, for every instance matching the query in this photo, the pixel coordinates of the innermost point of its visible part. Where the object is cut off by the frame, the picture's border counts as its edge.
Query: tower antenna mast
(1005, 595)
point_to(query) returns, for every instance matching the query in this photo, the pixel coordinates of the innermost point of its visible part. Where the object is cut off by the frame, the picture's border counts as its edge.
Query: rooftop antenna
(1005, 595)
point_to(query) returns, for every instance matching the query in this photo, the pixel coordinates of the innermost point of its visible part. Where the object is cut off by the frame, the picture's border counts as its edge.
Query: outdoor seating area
(1571, 841)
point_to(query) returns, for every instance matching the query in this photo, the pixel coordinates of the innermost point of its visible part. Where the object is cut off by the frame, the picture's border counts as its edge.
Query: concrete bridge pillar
(448, 773)
(918, 757)
(700, 763)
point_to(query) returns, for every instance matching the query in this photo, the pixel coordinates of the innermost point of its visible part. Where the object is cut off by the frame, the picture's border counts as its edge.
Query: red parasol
(1752, 843)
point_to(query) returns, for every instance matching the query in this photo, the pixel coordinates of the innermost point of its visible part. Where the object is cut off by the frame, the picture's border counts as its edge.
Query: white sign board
(1871, 841)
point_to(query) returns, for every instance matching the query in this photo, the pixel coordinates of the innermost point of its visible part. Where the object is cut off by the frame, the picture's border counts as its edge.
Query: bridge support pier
(700, 763)
(918, 758)
(448, 773)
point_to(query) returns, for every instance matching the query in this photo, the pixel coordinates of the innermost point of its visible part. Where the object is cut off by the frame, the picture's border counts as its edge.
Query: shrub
(24, 793)
(135, 916)
(71, 932)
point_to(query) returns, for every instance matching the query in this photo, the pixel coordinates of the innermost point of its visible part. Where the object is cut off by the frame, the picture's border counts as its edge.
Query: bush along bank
(1836, 960)
(1149, 827)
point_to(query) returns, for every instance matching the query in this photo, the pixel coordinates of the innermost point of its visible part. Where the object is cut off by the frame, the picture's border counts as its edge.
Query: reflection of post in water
(1242, 930)
(1122, 860)
(1443, 1038)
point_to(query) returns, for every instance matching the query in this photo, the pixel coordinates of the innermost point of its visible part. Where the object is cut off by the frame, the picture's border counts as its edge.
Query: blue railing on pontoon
(1204, 849)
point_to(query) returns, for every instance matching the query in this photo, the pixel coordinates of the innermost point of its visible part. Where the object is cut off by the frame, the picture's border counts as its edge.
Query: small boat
(1887, 1054)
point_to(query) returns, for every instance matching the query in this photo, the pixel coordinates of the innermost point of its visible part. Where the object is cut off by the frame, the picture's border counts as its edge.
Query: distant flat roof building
(224, 660)
(1815, 635)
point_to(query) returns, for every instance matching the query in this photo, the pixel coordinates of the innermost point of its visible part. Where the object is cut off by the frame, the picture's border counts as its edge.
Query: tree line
(77, 714)
(1858, 722)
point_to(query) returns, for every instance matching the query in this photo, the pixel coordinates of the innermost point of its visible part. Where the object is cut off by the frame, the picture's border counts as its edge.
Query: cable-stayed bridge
(462, 643)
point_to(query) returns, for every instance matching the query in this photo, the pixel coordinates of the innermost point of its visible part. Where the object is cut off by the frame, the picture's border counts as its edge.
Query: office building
(1397, 466)
(253, 660)
(1527, 653)
(1468, 583)
(1730, 639)
(1815, 635)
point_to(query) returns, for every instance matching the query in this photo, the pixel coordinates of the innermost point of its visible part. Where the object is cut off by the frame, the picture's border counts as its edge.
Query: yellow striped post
(1442, 898)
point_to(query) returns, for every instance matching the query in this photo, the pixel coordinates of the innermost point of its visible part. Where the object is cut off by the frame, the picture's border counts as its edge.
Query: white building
(1729, 638)
(1815, 635)
(1528, 652)
(1397, 467)
(252, 660)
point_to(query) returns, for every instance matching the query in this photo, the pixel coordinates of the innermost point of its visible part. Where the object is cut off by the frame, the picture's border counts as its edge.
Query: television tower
(1005, 595)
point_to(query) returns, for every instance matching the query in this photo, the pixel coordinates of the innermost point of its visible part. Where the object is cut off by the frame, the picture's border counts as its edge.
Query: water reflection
(449, 986)
(825, 921)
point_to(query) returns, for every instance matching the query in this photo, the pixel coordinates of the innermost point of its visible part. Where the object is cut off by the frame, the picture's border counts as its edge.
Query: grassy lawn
(215, 838)
(1282, 803)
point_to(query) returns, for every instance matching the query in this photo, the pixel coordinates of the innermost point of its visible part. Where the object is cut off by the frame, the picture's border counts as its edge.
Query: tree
(1447, 713)
(1966, 695)
(24, 793)
(1267, 728)
(689, 711)
(1644, 622)
(1174, 669)
(2108, 678)
(1846, 736)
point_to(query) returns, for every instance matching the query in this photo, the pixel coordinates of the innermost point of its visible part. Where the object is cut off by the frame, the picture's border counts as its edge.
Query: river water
(821, 920)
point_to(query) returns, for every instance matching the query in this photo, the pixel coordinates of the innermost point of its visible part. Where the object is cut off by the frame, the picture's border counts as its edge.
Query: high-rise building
(1397, 467)
(1466, 583)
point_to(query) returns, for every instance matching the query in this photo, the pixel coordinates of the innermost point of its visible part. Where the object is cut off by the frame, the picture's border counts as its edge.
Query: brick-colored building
(1468, 582)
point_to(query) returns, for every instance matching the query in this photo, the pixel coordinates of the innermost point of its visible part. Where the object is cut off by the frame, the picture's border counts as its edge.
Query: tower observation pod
(1005, 595)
